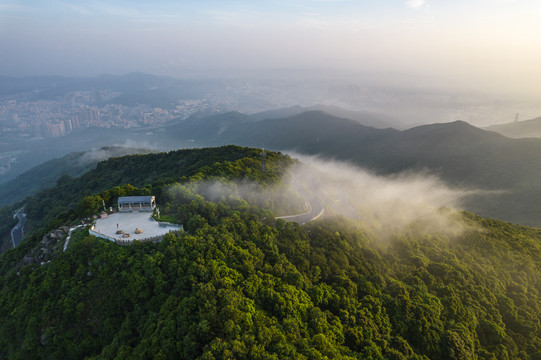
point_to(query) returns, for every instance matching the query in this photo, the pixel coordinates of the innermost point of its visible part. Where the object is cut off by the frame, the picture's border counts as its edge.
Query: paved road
(17, 231)
(318, 198)
(340, 203)
(315, 204)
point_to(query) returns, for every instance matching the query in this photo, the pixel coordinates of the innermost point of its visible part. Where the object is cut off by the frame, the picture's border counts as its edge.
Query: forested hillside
(45, 175)
(151, 172)
(239, 284)
(505, 170)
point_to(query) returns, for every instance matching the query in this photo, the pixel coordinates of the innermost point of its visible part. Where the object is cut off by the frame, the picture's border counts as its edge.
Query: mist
(105, 153)
(383, 205)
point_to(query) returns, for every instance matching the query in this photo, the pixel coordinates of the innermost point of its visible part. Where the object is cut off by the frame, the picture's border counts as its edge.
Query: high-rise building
(67, 125)
(55, 129)
(75, 124)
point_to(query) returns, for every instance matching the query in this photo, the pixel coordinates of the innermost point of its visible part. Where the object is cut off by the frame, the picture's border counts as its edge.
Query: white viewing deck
(152, 230)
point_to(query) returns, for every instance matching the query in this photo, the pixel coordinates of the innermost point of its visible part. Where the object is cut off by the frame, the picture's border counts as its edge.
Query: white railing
(100, 235)
(154, 239)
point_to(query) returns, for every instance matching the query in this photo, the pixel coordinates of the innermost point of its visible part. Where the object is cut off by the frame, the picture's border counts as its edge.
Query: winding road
(330, 195)
(17, 231)
(314, 203)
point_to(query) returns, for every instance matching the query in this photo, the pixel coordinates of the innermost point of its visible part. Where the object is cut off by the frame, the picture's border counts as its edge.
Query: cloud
(129, 147)
(414, 4)
(385, 204)
(238, 18)
(10, 7)
(313, 23)
(81, 10)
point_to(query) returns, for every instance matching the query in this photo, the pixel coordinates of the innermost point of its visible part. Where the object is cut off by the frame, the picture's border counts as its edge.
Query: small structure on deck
(136, 203)
(133, 222)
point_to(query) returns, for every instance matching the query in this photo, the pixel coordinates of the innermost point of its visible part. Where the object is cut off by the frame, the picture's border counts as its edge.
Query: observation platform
(128, 222)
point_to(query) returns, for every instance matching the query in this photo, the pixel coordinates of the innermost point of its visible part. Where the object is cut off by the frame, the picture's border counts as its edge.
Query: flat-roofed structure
(136, 203)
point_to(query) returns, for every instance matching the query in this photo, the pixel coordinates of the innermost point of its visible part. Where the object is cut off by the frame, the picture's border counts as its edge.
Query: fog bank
(386, 204)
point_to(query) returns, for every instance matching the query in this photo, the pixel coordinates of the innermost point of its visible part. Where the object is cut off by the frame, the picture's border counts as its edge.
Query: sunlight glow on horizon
(480, 42)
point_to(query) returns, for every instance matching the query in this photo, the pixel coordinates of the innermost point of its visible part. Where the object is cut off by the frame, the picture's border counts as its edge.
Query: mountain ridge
(519, 129)
(460, 154)
(504, 170)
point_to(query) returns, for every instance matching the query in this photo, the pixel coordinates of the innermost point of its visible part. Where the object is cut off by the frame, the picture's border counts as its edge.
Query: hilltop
(139, 174)
(502, 173)
(241, 284)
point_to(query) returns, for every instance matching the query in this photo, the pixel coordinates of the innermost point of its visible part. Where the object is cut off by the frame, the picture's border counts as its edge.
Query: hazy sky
(472, 43)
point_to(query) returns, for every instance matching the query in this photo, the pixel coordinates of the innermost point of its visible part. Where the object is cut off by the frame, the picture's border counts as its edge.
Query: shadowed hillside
(461, 154)
(46, 175)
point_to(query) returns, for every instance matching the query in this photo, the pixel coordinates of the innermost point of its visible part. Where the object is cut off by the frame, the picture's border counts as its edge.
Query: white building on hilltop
(132, 222)
(136, 203)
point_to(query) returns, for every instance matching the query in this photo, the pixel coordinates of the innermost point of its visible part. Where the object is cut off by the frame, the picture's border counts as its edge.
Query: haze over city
(483, 45)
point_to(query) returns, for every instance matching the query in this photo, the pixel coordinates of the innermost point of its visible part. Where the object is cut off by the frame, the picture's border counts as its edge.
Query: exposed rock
(28, 259)
(47, 249)
(138, 231)
(126, 235)
(120, 231)
(43, 339)
(46, 240)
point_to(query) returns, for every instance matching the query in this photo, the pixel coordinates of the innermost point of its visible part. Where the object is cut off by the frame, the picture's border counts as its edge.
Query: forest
(119, 176)
(240, 284)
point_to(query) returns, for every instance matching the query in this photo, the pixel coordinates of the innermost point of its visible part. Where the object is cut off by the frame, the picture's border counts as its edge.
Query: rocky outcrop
(50, 245)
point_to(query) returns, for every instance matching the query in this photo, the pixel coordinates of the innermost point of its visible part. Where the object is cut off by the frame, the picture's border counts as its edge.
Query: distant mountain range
(363, 117)
(506, 170)
(519, 129)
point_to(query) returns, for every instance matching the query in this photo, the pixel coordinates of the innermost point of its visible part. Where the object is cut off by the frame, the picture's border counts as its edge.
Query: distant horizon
(381, 79)
(409, 100)
(483, 45)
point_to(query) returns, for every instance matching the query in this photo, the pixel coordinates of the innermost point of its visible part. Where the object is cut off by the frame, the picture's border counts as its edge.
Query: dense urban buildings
(26, 118)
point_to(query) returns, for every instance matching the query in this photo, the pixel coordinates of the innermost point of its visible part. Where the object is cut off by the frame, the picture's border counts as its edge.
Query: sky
(485, 44)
